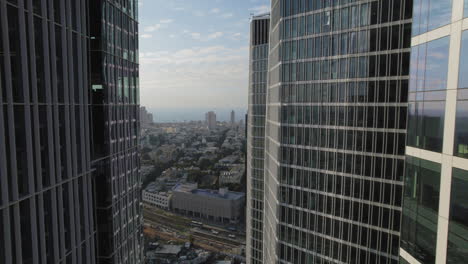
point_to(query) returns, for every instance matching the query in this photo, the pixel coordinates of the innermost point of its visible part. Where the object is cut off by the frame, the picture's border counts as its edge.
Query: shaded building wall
(115, 129)
(46, 194)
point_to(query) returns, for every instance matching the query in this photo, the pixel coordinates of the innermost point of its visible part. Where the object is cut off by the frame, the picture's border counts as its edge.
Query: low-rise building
(164, 252)
(215, 205)
(154, 196)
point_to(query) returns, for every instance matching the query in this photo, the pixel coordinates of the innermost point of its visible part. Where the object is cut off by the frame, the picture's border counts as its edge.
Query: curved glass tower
(335, 130)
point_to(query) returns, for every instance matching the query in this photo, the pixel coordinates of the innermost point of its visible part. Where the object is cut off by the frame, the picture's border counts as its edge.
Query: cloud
(198, 13)
(162, 24)
(236, 36)
(166, 21)
(152, 28)
(195, 35)
(146, 36)
(215, 35)
(215, 10)
(227, 15)
(260, 9)
(214, 75)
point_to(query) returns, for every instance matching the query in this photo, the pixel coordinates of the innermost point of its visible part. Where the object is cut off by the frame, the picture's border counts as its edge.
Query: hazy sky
(194, 53)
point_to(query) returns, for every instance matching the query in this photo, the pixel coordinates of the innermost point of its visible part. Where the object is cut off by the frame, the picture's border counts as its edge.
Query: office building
(115, 128)
(435, 211)
(210, 119)
(335, 130)
(62, 192)
(258, 64)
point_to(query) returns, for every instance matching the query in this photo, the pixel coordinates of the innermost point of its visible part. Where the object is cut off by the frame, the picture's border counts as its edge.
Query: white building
(152, 195)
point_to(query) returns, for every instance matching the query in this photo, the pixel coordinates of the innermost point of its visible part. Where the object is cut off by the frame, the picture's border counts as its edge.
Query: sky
(194, 53)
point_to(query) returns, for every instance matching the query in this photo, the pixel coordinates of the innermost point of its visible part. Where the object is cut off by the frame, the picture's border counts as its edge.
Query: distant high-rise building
(435, 209)
(146, 118)
(233, 117)
(69, 180)
(258, 65)
(335, 131)
(150, 118)
(210, 119)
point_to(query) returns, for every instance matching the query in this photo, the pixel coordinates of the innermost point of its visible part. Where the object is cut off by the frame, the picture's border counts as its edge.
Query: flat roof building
(154, 195)
(215, 205)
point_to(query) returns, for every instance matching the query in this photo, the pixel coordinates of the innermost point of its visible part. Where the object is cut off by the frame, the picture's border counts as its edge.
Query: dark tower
(69, 180)
(115, 129)
(46, 180)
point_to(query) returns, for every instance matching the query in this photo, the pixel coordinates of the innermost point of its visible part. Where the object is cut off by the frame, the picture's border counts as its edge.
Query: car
(231, 236)
(214, 232)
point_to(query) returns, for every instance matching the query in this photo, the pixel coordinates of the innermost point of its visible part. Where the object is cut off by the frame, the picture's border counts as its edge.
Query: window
(461, 125)
(457, 252)
(429, 15)
(420, 208)
(428, 81)
(465, 12)
(463, 67)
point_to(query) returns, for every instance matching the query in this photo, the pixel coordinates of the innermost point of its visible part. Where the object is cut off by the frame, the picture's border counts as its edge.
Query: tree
(204, 164)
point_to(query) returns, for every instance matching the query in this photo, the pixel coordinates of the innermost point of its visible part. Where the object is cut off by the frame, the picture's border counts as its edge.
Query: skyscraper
(335, 130)
(115, 112)
(258, 64)
(434, 222)
(233, 117)
(146, 118)
(69, 190)
(210, 119)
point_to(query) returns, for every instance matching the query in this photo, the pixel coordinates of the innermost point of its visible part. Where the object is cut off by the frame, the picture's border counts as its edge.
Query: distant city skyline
(161, 115)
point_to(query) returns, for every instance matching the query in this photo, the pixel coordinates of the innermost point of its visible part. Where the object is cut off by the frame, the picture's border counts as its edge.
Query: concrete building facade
(158, 199)
(221, 206)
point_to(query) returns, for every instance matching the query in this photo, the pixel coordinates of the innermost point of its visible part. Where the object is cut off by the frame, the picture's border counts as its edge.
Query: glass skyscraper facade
(69, 184)
(335, 130)
(115, 112)
(435, 214)
(259, 34)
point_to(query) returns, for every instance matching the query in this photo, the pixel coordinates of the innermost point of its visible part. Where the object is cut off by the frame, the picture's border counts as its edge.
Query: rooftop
(168, 249)
(221, 193)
